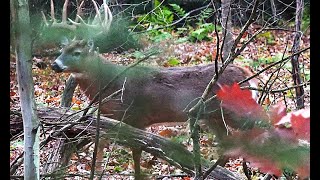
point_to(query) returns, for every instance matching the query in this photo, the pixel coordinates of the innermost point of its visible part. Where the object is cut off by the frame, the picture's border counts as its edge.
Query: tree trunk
(66, 147)
(67, 95)
(274, 12)
(226, 26)
(295, 59)
(22, 33)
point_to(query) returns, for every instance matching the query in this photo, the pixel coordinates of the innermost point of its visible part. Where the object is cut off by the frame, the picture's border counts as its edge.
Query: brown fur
(156, 95)
(163, 96)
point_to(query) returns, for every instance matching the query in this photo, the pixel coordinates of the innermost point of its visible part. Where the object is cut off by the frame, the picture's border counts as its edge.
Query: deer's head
(73, 56)
(75, 53)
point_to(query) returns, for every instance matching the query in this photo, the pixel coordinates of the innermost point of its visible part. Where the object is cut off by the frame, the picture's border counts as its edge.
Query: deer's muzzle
(56, 67)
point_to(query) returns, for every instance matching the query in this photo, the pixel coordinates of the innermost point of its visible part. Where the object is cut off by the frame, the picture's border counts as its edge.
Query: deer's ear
(90, 44)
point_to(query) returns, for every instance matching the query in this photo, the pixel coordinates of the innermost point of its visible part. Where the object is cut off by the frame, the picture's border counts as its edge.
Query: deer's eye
(77, 53)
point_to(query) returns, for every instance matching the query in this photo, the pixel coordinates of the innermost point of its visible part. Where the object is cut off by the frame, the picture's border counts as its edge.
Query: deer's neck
(102, 71)
(96, 73)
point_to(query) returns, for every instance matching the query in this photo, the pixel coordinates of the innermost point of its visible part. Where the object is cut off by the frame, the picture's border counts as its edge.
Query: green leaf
(118, 169)
(181, 12)
(199, 31)
(180, 138)
(162, 36)
(266, 35)
(138, 55)
(75, 108)
(156, 3)
(18, 143)
(306, 74)
(202, 32)
(173, 62)
(182, 40)
(199, 34)
(208, 26)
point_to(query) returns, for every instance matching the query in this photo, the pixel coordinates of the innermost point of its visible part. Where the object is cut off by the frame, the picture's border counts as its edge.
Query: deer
(150, 95)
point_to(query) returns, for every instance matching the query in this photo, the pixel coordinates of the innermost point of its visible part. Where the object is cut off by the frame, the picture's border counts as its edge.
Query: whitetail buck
(150, 95)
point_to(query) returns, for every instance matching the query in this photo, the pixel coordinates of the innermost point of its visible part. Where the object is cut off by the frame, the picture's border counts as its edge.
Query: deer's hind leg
(136, 155)
(100, 154)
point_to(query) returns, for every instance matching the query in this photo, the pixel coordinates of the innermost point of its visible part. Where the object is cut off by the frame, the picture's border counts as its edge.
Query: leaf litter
(49, 87)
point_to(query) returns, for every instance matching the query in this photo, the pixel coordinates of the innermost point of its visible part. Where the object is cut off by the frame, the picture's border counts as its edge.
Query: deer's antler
(99, 23)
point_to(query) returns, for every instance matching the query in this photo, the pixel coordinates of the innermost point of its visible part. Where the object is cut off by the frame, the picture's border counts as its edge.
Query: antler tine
(79, 11)
(106, 22)
(44, 19)
(98, 14)
(108, 16)
(63, 23)
(64, 11)
(83, 23)
(52, 11)
(99, 23)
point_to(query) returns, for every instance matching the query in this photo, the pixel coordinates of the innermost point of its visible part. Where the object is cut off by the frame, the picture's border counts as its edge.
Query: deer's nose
(56, 67)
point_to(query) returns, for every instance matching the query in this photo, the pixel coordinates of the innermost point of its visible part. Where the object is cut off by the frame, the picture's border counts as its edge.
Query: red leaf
(52, 99)
(300, 121)
(245, 34)
(240, 102)
(277, 112)
(286, 134)
(265, 165)
(167, 133)
(304, 170)
(263, 147)
(12, 93)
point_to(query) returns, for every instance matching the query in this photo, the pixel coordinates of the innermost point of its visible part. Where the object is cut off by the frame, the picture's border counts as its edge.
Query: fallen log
(174, 153)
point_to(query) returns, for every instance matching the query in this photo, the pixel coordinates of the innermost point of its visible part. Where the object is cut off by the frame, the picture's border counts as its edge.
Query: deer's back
(162, 96)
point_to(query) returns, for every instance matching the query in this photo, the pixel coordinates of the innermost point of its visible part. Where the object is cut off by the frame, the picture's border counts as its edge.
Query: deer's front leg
(100, 153)
(136, 155)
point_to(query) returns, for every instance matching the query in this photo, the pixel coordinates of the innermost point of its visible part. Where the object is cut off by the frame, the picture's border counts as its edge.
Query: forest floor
(257, 55)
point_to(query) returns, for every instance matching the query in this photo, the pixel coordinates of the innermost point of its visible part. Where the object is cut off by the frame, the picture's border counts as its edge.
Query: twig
(245, 169)
(245, 27)
(273, 64)
(217, 51)
(267, 177)
(204, 95)
(263, 97)
(16, 163)
(221, 160)
(172, 176)
(275, 91)
(96, 144)
(116, 137)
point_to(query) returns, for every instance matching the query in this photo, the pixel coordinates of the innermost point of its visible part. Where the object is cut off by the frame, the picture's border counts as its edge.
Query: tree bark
(295, 59)
(22, 33)
(66, 148)
(226, 26)
(67, 95)
(126, 135)
(274, 11)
